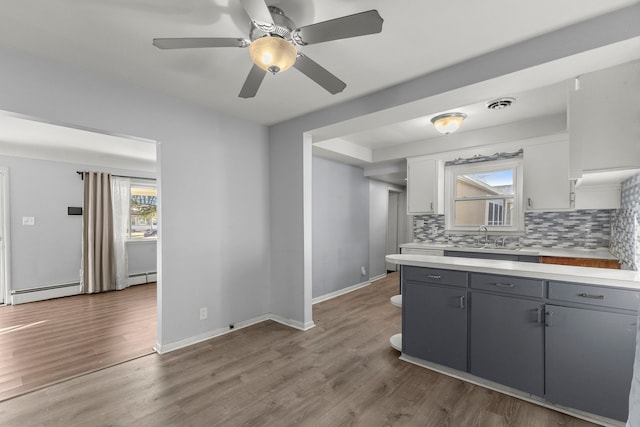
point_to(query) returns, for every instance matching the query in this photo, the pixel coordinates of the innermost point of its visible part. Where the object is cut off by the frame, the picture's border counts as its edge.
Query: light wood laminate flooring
(48, 341)
(342, 372)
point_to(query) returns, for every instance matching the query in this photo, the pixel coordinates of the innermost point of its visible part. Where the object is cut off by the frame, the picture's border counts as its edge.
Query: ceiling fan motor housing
(283, 26)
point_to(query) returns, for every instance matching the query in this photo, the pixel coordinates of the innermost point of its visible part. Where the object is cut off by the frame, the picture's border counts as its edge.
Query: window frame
(451, 173)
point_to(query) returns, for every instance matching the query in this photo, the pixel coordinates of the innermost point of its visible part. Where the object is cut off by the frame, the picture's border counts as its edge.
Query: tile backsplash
(625, 243)
(589, 229)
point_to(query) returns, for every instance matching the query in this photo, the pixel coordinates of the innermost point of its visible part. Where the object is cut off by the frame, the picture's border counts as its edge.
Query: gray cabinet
(589, 359)
(434, 317)
(507, 341)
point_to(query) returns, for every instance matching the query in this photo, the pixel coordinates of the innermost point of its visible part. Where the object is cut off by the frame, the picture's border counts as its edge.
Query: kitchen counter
(596, 276)
(552, 252)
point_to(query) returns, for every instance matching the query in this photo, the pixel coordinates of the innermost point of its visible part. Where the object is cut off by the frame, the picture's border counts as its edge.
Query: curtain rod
(81, 173)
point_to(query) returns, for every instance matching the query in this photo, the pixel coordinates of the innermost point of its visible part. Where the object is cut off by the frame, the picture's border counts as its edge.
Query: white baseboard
(39, 295)
(166, 348)
(378, 277)
(340, 292)
(292, 323)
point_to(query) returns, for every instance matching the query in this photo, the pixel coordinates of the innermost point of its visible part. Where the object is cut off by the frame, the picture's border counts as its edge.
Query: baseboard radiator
(21, 296)
(140, 278)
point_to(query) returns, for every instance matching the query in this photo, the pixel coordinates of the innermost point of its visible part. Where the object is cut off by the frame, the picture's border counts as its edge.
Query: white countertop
(557, 252)
(595, 276)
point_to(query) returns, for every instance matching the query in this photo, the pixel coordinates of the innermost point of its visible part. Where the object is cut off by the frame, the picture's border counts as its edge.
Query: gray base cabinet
(434, 326)
(507, 341)
(572, 344)
(589, 359)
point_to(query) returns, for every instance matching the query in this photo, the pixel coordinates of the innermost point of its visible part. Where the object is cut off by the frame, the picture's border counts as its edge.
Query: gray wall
(49, 253)
(378, 207)
(212, 163)
(142, 257)
(340, 226)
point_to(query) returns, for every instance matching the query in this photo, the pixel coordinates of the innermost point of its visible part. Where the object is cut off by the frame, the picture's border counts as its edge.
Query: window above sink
(484, 194)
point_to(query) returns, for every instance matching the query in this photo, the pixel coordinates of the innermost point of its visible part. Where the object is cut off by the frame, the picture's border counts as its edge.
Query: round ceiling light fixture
(273, 54)
(449, 122)
(500, 103)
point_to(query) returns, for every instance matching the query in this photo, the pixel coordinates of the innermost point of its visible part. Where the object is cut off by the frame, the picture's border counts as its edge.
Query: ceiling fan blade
(253, 82)
(359, 24)
(192, 42)
(319, 74)
(259, 14)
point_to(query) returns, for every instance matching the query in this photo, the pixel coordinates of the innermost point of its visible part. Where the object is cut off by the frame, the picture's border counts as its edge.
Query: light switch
(28, 220)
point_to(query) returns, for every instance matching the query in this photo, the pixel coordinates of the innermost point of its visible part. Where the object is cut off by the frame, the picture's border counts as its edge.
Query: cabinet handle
(462, 301)
(529, 202)
(583, 295)
(549, 318)
(504, 285)
(539, 317)
(431, 205)
(433, 276)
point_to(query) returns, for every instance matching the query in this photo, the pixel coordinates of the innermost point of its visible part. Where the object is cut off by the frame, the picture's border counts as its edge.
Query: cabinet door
(507, 341)
(546, 177)
(423, 186)
(589, 359)
(434, 324)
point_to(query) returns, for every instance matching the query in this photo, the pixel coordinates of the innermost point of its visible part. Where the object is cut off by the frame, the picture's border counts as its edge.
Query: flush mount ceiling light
(448, 122)
(273, 53)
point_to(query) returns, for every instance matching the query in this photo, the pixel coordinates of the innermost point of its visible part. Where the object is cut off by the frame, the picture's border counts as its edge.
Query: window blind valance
(479, 158)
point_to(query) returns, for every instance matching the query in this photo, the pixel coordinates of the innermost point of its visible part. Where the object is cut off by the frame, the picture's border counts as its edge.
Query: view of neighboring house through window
(484, 194)
(143, 211)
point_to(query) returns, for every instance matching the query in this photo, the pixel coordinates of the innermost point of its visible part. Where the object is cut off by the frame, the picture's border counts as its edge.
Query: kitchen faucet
(486, 233)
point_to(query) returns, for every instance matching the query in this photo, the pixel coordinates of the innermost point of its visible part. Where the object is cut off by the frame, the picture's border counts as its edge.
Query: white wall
(209, 164)
(340, 226)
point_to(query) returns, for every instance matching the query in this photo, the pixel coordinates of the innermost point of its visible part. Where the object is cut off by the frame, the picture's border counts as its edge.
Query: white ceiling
(113, 38)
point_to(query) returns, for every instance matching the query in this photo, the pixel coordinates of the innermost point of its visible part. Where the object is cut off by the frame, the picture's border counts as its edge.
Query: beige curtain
(98, 262)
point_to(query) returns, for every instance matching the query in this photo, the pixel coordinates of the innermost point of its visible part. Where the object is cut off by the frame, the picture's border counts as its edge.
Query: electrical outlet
(203, 313)
(363, 270)
(28, 220)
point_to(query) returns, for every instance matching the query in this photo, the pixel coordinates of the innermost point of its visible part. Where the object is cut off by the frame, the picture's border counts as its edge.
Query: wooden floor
(48, 341)
(342, 372)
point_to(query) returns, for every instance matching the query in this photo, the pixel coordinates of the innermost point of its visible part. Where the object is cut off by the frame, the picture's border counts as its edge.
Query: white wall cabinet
(546, 177)
(603, 113)
(425, 186)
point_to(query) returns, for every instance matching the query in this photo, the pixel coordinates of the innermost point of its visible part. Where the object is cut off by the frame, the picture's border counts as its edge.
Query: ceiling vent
(499, 104)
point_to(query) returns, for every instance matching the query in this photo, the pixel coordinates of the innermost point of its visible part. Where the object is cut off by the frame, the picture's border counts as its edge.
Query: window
(143, 210)
(484, 194)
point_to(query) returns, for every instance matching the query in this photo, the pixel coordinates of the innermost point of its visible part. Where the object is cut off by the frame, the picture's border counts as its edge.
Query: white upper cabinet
(604, 120)
(425, 186)
(546, 177)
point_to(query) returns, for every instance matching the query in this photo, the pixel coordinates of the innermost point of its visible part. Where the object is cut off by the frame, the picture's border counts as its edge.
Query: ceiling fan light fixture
(449, 122)
(273, 54)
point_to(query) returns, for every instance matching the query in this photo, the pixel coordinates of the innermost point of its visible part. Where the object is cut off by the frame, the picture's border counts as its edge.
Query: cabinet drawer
(435, 275)
(508, 284)
(594, 295)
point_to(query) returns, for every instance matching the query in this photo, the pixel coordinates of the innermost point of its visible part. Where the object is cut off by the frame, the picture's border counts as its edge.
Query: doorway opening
(397, 232)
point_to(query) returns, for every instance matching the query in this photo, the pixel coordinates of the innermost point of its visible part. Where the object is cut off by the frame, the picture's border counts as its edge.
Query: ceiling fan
(274, 39)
